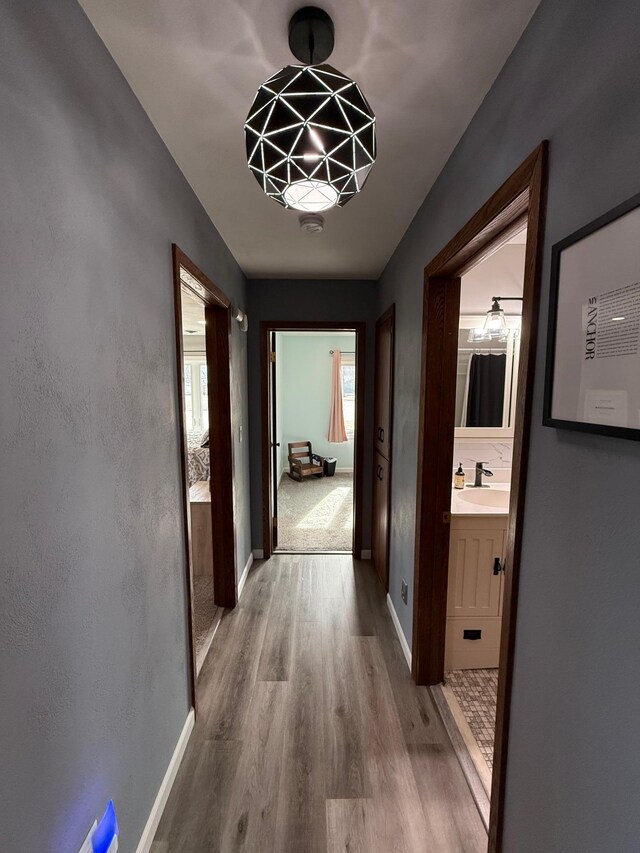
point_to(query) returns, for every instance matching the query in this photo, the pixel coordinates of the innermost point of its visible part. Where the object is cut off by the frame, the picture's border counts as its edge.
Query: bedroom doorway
(203, 328)
(312, 416)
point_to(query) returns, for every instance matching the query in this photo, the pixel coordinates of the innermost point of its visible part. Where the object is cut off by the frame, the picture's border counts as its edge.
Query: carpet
(315, 515)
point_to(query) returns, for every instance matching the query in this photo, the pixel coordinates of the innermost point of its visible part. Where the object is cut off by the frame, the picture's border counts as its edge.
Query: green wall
(305, 392)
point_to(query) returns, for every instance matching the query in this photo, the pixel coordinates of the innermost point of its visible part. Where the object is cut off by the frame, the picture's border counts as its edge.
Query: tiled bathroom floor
(476, 691)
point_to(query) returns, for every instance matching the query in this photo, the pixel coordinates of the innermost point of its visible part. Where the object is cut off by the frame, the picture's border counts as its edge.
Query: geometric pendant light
(310, 133)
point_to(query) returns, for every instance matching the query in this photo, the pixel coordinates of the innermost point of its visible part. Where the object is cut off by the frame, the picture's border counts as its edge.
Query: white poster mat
(597, 352)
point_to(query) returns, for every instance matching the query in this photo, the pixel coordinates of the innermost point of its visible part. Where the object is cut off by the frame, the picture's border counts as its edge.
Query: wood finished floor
(311, 735)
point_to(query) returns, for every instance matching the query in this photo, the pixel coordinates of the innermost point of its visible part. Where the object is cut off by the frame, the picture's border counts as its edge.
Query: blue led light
(107, 830)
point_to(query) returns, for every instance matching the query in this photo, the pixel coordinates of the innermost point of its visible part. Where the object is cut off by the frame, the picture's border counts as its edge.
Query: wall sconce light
(495, 325)
(239, 315)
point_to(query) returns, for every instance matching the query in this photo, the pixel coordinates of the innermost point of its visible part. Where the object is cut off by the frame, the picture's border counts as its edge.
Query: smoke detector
(312, 223)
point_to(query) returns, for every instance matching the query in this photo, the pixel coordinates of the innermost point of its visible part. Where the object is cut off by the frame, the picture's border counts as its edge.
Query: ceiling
(192, 314)
(499, 274)
(424, 66)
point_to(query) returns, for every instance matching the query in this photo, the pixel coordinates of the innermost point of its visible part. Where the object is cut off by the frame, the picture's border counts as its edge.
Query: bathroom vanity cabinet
(475, 591)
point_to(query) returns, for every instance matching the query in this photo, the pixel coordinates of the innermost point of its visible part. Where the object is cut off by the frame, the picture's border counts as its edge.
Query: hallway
(311, 736)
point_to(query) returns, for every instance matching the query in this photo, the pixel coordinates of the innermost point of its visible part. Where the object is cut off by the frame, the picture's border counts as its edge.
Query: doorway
(312, 386)
(203, 328)
(488, 348)
(517, 205)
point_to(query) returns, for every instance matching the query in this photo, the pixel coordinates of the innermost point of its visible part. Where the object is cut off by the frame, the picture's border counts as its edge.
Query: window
(349, 394)
(204, 398)
(196, 399)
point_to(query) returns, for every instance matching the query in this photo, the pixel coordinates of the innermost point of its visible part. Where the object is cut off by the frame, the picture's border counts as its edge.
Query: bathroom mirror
(486, 381)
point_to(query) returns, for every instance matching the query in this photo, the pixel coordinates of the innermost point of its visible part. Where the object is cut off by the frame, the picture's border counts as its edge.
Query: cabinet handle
(381, 434)
(497, 566)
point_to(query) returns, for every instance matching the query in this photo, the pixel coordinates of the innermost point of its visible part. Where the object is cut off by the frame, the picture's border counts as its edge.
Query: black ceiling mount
(311, 35)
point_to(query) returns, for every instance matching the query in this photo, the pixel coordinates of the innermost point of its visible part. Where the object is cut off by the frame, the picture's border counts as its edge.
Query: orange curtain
(337, 432)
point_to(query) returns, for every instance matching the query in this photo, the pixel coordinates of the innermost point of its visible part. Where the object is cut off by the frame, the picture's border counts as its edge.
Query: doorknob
(497, 566)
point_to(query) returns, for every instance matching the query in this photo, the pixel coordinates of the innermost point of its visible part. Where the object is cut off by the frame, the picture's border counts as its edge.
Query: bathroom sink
(490, 498)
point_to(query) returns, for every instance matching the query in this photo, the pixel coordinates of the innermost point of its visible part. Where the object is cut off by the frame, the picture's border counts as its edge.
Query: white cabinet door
(474, 589)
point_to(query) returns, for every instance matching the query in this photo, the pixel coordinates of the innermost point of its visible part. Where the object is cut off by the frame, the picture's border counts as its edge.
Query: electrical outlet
(86, 844)
(404, 591)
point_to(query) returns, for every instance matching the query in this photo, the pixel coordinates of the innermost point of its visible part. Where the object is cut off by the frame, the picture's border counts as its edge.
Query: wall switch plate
(404, 591)
(86, 844)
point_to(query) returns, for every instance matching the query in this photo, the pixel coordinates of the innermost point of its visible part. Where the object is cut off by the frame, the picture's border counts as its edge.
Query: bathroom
(486, 399)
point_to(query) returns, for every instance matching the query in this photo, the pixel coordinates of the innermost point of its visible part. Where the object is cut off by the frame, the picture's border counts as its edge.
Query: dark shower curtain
(486, 390)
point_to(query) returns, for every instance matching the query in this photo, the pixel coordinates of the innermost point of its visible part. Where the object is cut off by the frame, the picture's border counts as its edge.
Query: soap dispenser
(458, 478)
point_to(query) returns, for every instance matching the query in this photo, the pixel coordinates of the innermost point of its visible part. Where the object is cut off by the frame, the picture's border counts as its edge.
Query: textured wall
(93, 644)
(338, 301)
(573, 773)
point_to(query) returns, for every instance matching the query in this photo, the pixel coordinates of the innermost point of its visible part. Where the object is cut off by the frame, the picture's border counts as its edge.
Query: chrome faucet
(480, 470)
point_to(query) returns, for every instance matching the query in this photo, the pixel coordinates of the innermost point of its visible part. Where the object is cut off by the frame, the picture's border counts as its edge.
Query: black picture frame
(548, 419)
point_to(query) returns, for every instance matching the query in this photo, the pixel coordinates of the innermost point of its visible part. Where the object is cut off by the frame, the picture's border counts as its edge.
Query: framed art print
(593, 355)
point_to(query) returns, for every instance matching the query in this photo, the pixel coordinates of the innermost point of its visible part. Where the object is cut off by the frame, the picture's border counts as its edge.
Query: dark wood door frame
(521, 199)
(266, 327)
(389, 314)
(218, 354)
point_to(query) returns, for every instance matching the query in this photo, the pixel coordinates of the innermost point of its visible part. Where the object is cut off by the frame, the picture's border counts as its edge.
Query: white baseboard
(151, 827)
(258, 554)
(399, 631)
(243, 576)
(365, 555)
(344, 470)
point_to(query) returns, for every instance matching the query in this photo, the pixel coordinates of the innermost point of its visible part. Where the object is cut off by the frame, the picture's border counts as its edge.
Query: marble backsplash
(496, 454)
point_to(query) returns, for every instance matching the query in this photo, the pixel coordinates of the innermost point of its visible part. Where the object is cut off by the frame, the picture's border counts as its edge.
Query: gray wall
(573, 772)
(273, 299)
(93, 642)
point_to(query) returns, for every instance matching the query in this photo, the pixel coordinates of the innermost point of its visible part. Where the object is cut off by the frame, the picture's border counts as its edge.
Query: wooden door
(273, 434)
(383, 401)
(380, 527)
